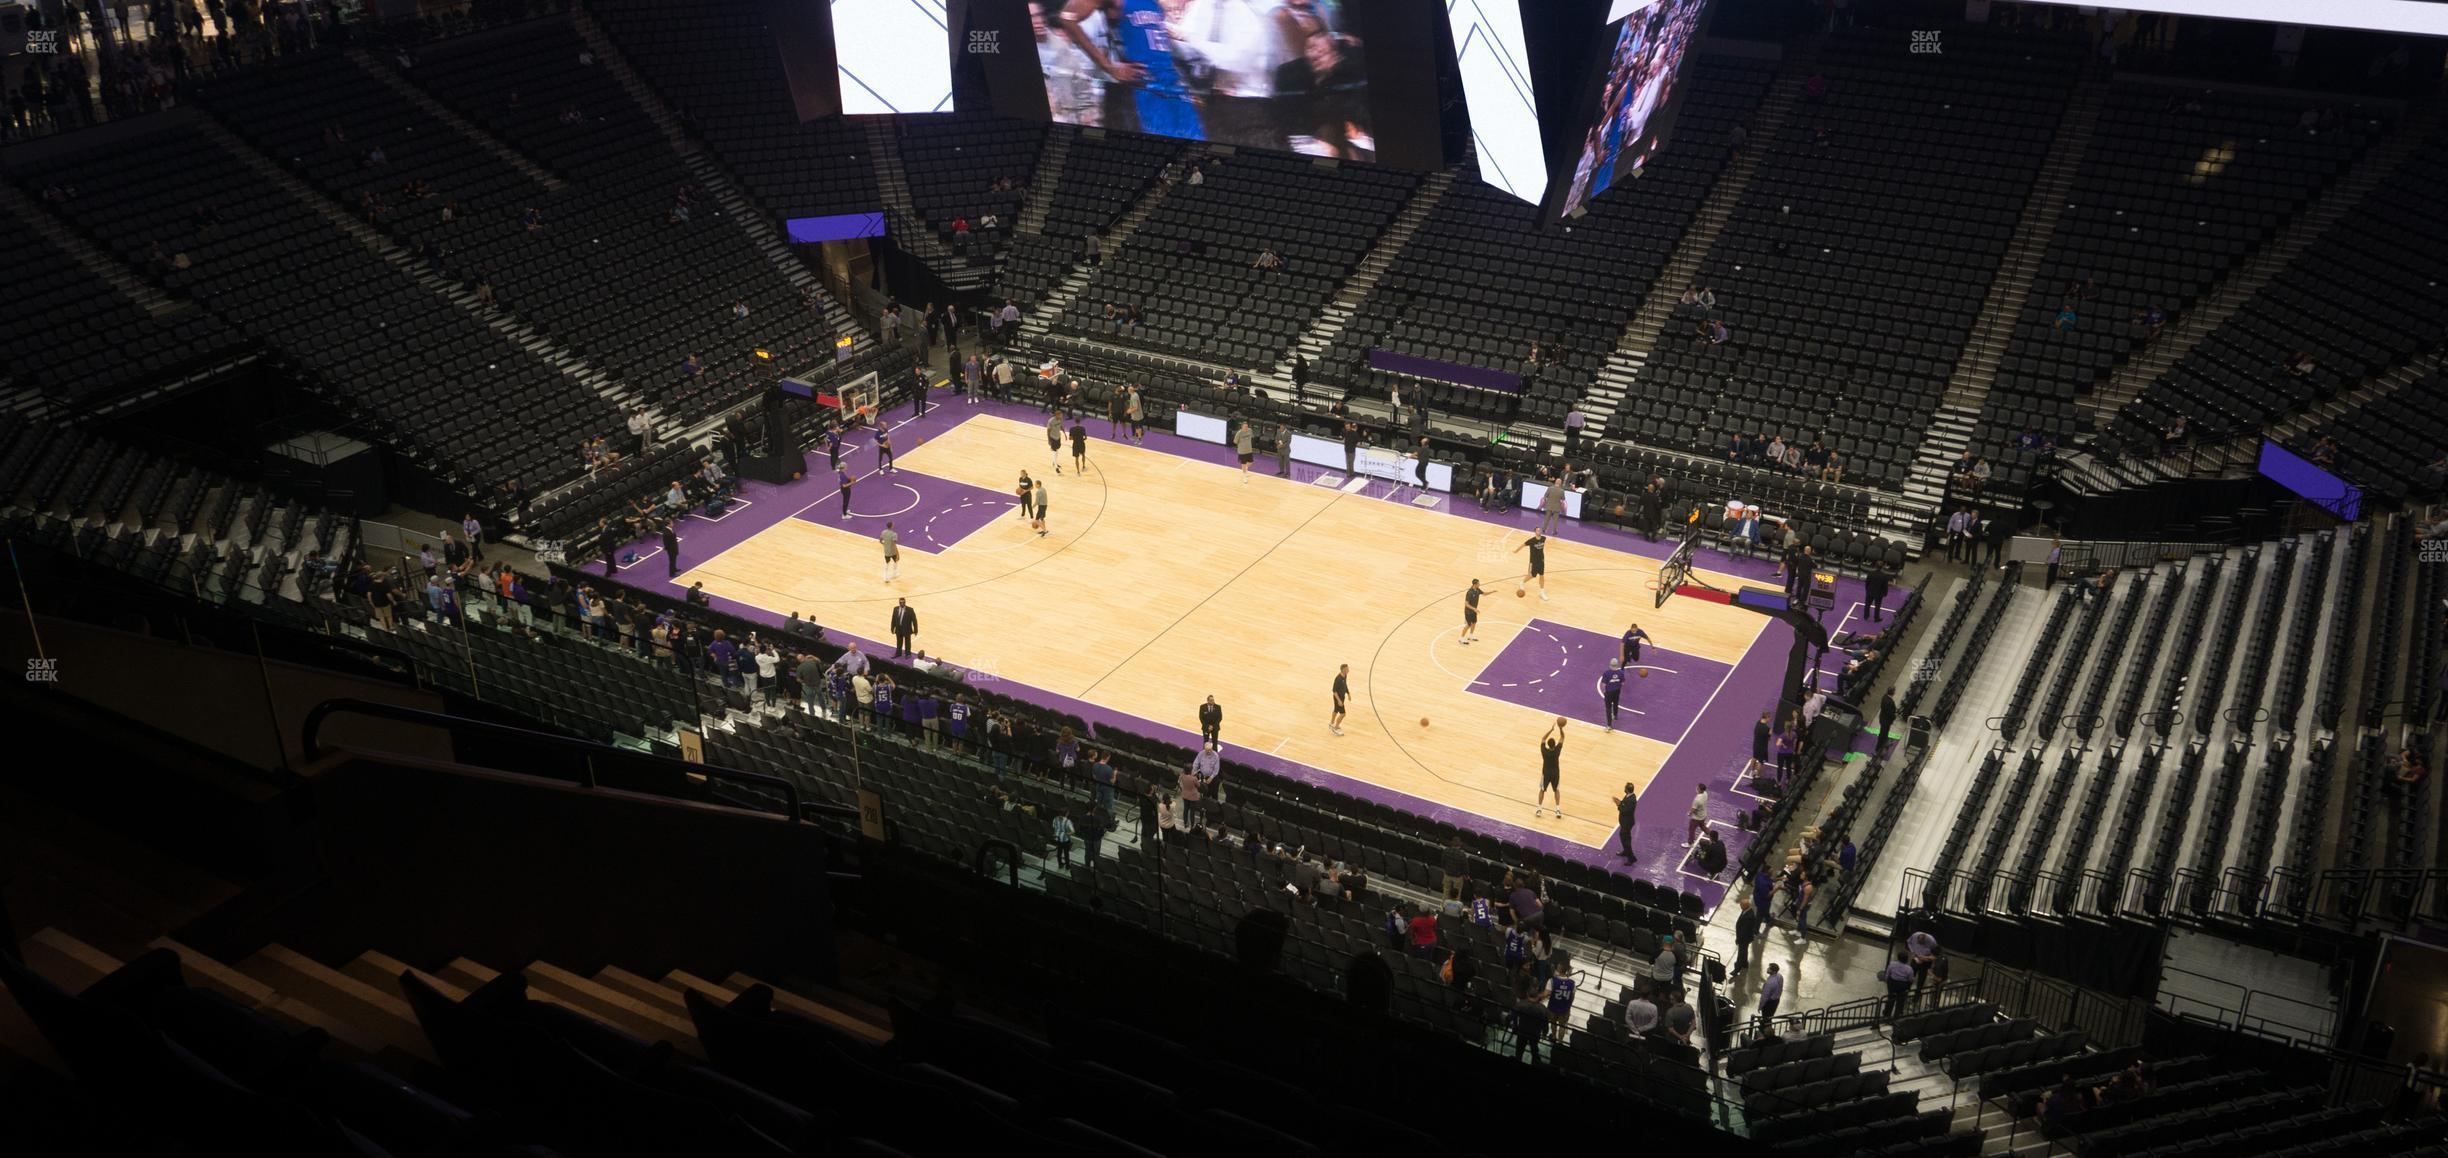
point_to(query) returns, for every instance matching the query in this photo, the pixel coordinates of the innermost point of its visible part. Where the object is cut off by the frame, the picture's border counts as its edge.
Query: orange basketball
(1423, 721)
(1521, 593)
(1644, 673)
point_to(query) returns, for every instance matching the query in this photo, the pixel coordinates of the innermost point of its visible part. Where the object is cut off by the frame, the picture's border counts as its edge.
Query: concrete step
(466, 974)
(682, 979)
(211, 974)
(857, 1026)
(450, 118)
(661, 995)
(65, 961)
(109, 268)
(613, 1007)
(383, 972)
(352, 1037)
(609, 55)
(380, 1016)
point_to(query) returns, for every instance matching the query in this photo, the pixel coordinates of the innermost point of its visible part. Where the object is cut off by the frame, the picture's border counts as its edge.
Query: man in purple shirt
(1899, 978)
(1526, 910)
(1610, 690)
(1633, 638)
(883, 706)
(956, 721)
(1924, 949)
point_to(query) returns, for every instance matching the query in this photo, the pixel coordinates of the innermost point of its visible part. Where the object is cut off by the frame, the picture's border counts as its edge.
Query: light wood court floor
(1165, 580)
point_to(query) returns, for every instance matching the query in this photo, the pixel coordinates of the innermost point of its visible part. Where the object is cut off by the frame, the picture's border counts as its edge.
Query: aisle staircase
(714, 180)
(2188, 329)
(500, 320)
(110, 269)
(1314, 341)
(901, 220)
(1967, 388)
(1040, 320)
(363, 1007)
(425, 102)
(1620, 376)
(1052, 158)
(608, 55)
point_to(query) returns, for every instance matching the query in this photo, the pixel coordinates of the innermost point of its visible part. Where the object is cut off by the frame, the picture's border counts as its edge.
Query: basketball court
(1166, 576)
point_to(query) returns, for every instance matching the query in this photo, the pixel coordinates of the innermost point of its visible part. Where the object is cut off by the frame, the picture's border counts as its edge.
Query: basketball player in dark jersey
(1551, 769)
(1537, 545)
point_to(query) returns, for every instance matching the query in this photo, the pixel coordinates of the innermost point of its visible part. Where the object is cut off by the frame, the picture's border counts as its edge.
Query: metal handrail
(2240, 1016)
(798, 810)
(2110, 1021)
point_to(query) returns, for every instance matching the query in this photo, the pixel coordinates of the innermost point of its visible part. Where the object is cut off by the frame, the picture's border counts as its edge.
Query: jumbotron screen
(1636, 98)
(1494, 62)
(893, 56)
(2425, 17)
(1286, 75)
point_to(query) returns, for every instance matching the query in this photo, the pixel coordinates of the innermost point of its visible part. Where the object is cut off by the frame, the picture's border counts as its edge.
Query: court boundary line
(1633, 563)
(1377, 713)
(1104, 499)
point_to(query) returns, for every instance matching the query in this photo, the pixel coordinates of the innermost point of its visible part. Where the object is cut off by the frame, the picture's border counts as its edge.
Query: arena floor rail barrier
(2111, 1021)
(588, 752)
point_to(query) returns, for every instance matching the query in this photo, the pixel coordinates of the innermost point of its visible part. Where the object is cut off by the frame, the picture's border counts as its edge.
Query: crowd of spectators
(1772, 452)
(88, 74)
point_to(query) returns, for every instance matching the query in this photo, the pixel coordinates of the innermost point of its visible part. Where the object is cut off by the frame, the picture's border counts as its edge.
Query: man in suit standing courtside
(904, 626)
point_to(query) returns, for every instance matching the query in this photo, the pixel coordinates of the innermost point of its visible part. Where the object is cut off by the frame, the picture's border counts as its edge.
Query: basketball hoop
(1675, 571)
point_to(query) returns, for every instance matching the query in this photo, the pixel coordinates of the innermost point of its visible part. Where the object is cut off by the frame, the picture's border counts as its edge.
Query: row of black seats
(2176, 188)
(1963, 1062)
(2391, 444)
(1874, 1137)
(2010, 584)
(714, 65)
(423, 375)
(2341, 1130)
(1817, 245)
(1481, 280)
(1915, 1026)
(609, 273)
(2359, 300)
